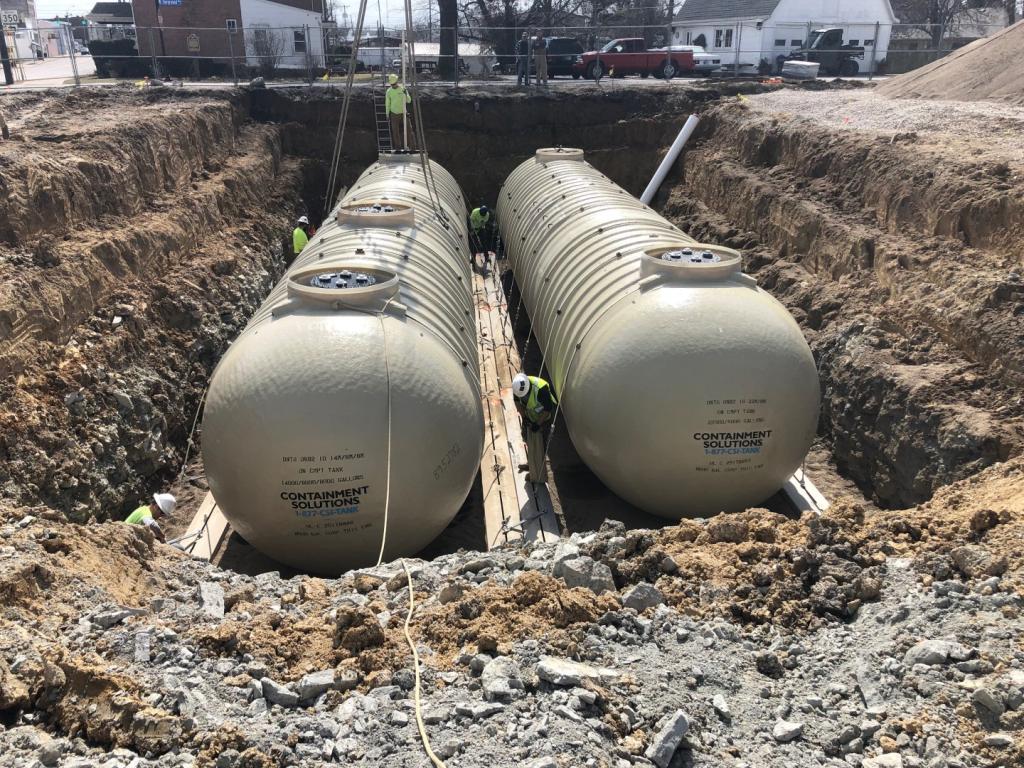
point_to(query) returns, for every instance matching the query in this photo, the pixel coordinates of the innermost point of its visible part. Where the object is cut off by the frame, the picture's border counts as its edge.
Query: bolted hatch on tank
(686, 388)
(346, 417)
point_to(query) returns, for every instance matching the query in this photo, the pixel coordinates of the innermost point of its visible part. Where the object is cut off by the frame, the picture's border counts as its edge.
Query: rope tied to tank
(438, 763)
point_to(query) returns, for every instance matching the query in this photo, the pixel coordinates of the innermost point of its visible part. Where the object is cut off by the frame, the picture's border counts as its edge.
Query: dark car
(562, 53)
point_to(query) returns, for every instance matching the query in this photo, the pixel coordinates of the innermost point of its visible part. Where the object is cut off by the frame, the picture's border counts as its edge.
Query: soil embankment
(140, 230)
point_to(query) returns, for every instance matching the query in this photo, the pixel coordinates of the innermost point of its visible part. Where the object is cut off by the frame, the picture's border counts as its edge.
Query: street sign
(192, 41)
(169, 2)
(10, 18)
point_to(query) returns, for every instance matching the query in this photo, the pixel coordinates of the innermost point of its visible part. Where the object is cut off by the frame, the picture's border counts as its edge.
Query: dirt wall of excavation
(140, 231)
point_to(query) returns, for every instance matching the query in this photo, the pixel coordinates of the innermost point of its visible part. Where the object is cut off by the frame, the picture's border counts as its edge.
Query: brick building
(248, 30)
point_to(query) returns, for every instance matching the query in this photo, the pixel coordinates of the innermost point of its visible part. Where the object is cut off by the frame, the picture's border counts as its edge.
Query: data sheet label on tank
(733, 435)
(325, 493)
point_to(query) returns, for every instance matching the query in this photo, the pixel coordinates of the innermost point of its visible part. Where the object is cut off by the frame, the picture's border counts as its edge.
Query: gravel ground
(888, 641)
(997, 126)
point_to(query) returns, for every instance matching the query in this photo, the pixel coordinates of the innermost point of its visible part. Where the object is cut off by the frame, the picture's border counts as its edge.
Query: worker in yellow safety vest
(537, 403)
(395, 99)
(163, 504)
(300, 235)
(481, 230)
(481, 224)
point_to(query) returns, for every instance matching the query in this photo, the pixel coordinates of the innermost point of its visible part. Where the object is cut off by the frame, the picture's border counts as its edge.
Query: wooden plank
(526, 510)
(534, 505)
(804, 494)
(206, 530)
(495, 471)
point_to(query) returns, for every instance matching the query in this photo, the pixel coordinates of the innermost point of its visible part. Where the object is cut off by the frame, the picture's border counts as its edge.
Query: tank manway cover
(346, 286)
(547, 154)
(343, 279)
(376, 213)
(692, 256)
(692, 262)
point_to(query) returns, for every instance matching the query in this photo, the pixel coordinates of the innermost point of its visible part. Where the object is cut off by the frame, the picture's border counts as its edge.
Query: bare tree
(267, 46)
(934, 17)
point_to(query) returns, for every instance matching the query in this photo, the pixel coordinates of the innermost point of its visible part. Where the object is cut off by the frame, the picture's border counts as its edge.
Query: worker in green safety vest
(300, 235)
(395, 99)
(163, 504)
(537, 403)
(481, 230)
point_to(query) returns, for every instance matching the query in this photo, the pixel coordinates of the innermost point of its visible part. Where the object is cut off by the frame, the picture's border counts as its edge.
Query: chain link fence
(319, 53)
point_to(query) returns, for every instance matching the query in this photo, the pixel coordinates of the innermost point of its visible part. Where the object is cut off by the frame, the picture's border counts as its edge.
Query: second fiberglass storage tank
(686, 388)
(351, 400)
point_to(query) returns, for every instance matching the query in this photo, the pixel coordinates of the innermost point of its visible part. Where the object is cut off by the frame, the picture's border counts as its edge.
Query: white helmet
(166, 502)
(521, 385)
(303, 220)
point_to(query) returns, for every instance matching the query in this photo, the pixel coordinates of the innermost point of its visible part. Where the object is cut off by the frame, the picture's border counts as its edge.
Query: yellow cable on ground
(437, 761)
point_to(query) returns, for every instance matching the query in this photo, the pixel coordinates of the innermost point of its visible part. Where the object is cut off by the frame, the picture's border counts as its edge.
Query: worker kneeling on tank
(537, 403)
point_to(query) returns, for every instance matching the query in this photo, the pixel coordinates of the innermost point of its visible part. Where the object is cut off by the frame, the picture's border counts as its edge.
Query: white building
(751, 32)
(474, 58)
(283, 28)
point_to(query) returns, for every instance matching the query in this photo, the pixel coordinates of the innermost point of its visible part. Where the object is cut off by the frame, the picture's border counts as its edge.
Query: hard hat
(521, 385)
(166, 502)
(303, 220)
(392, 78)
(484, 209)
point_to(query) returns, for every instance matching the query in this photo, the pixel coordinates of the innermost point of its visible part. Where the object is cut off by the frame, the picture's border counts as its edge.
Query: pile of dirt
(989, 68)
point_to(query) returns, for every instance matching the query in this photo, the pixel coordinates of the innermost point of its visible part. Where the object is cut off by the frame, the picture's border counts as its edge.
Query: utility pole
(160, 26)
(5, 57)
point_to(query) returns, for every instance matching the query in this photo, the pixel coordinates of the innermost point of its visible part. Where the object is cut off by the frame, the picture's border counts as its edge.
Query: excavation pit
(127, 269)
(904, 412)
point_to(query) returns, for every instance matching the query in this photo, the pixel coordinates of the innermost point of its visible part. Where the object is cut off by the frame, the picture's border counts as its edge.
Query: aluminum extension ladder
(383, 126)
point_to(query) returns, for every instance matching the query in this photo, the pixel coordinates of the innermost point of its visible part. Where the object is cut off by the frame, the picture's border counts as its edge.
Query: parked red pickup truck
(628, 56)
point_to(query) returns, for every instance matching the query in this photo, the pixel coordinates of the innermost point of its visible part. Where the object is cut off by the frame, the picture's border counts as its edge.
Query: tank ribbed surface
(327, 387)
(685, 388)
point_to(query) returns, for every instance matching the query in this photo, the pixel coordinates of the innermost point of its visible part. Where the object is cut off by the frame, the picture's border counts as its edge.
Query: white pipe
(677, 146)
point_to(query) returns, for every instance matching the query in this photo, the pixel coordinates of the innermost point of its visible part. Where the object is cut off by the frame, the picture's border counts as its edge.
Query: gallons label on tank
(734, 435)
(325, 492)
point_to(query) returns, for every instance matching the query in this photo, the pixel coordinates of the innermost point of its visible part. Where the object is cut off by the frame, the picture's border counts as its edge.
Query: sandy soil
(990, 68)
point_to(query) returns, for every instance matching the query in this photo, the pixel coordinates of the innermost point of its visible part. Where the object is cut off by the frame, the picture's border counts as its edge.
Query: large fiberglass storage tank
(355, 387)
(686, 388)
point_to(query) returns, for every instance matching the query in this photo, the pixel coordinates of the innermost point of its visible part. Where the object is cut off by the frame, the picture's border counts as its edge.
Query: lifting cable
(417, 118)
(419, 131)
(339, 137)
(435, 201)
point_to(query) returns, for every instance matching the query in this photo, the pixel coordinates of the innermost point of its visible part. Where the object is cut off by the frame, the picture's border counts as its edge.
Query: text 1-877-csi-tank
(686, 388)
(363, 358)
